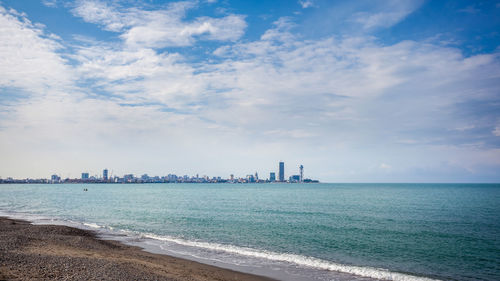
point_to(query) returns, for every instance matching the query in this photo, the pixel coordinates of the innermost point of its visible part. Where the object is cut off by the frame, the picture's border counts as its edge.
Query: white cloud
(389, 14)
(50, 3)
(280, 31)
(384, 19)
(348, 90)
(465, 127)
(384, 166)
(306, 3)
(161, 33)
(496, 132)
(114, 64)
(29, 57)
(101, 13)
(160, 28)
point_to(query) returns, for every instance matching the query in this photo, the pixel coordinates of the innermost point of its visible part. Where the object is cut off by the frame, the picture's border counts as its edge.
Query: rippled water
(309, 231)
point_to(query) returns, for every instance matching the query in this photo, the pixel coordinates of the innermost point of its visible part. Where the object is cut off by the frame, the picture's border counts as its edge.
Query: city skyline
(356, 91)
(107, 177)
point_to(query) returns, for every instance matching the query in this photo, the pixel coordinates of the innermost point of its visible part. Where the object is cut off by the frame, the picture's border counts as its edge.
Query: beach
(48, 252)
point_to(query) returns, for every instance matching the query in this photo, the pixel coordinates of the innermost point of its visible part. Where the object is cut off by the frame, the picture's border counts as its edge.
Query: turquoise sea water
(308, 231)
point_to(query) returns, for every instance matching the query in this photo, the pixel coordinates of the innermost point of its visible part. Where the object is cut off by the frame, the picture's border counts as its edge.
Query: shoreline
(189, 265)
(44, 252)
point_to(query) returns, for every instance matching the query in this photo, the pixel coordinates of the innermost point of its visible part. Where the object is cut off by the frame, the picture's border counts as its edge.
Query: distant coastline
(79, 181)
(106, 177)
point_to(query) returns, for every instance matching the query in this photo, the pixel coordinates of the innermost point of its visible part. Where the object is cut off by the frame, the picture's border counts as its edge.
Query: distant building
(256, 176)
(85, 176)
(301, 173)
(128, 178)
(172, 178)
(282, 171)
(272, 176)
(105, 174)
(310, 181)
(250, 178)
(55, 178)
(294, 178)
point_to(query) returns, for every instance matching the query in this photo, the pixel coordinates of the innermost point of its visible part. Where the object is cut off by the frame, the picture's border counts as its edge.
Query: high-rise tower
(105, 174)
(301, 173)
(282, 171)
(272, 177)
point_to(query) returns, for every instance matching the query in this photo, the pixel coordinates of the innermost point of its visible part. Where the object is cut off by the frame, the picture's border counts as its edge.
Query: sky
(356, 91)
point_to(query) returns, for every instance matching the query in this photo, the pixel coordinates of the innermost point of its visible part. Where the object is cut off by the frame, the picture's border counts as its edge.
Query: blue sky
(356, 91)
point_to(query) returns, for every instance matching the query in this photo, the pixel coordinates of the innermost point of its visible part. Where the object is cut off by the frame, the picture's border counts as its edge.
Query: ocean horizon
(325, 231)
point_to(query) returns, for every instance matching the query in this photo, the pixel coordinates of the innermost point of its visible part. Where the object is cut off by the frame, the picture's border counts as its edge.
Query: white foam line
(371, 272)
(92, 225)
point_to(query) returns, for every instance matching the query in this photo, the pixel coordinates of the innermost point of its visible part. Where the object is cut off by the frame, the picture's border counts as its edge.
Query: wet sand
(54, 252)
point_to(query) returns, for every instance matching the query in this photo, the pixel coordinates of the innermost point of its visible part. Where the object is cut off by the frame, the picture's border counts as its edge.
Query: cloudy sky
(356, 91)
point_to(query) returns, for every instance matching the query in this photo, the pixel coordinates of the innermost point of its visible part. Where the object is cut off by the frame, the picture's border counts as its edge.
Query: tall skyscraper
(301, 173)
(85, 176)
(272, 176)
(105, 174)
(250, 178)
(282, 171)
(55, 178)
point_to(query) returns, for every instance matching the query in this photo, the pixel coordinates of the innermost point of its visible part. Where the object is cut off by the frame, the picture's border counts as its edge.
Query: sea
(288, 231)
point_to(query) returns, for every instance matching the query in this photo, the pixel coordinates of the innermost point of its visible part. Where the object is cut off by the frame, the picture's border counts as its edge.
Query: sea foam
(311, 262)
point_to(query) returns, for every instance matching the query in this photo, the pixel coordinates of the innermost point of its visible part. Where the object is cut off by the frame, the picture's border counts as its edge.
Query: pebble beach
(54, 252)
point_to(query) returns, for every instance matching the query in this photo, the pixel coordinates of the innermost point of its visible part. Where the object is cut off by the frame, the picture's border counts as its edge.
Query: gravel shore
(53, 252)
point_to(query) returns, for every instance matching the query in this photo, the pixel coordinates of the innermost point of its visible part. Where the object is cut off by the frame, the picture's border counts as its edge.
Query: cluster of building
(171, 178)
(11, 180)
